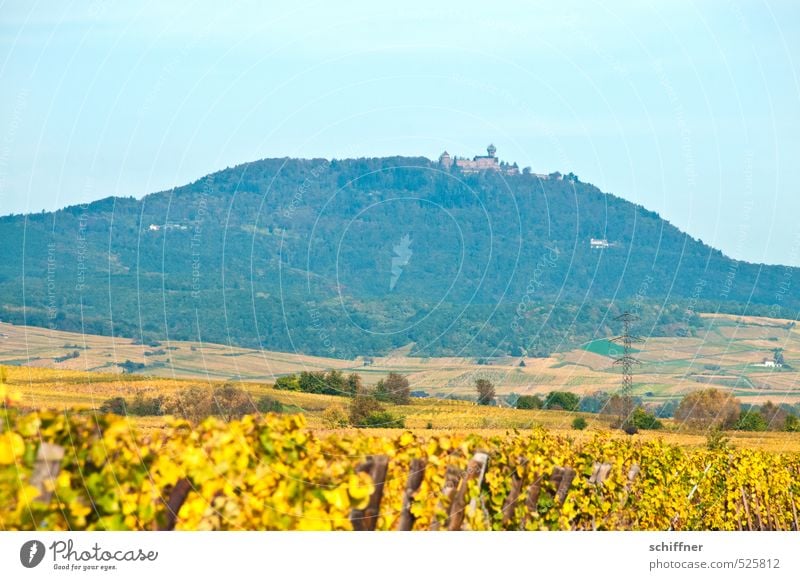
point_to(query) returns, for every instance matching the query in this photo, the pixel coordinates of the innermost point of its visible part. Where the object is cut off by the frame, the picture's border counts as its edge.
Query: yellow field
(61, 389)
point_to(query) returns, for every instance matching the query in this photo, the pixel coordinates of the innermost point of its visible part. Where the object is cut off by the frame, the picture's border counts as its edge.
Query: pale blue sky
(689, 108)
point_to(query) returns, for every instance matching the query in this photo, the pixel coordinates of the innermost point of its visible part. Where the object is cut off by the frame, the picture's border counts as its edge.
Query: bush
(193, 404)
(579, 423)
(231, 402)
(384, 420)
(716, 440)
(366, 411)
(196, 403)
(641, 419)
(529, 402)
(115, 405)
(361, 407)
(335, 417)
(562, 400)
(142, 406)
(268, 405)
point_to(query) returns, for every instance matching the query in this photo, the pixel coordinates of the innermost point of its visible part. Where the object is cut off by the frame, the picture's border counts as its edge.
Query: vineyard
(91, 472)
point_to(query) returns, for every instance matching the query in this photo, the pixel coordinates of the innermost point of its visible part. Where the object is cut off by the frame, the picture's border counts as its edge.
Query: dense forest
(362, 256)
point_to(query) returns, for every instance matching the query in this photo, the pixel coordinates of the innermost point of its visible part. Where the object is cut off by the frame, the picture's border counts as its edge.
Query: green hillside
(363, 256)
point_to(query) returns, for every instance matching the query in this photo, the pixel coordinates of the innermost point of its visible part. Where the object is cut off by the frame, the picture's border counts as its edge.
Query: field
(726, 353)
(41, 388)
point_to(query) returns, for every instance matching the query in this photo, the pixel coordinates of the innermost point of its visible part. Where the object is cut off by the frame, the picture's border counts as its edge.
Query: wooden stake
(367, 519)
(174, 503)
(451, 480)
(416, 474)
(46, 469)
(476, 469)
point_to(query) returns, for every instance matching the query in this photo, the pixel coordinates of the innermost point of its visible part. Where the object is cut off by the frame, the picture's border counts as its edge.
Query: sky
(691, 109)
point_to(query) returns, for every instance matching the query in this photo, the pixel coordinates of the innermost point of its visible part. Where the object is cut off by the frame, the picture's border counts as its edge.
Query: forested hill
(362, 256)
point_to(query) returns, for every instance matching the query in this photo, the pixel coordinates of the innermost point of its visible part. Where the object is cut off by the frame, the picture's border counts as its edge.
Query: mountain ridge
(297, 254)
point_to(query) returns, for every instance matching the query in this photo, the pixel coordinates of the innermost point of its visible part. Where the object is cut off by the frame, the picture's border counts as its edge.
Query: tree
(335, 383)
(231, 402)
(393, 389)
(485, 390)
(529, 402)
(562, 400)
(287, 383)
(751, 421)
(354, 384)
(774, 415)
(312, 382)
(708, 407)
(778, 356)
(792, 424)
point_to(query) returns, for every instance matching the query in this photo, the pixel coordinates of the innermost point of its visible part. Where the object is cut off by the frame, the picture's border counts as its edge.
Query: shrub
(716, 440)
(529, 402)
(383, 419)
(268, 405)
(115, 405)
(579, 423)
(231, 402)
(193, 404)
(361, 406)
(366, 411)
(142, 406)
(335, 417)
(641, 419)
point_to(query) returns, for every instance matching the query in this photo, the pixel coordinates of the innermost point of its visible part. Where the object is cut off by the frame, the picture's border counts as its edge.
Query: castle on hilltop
(488, 162)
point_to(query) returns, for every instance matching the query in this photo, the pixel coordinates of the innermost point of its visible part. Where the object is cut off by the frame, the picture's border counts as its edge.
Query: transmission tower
(626, 361)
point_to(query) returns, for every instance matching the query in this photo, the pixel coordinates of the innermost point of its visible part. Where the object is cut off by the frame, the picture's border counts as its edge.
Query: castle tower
(445, 160)
(491, 150)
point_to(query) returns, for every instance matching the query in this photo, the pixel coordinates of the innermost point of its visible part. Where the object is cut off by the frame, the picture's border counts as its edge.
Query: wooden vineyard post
(366, 519)
(476, 469)
(746, 509)
(416, 474)
(532, 499)
(45, 470)
(176, 498)
(600, 472)
(451, 480)
(567, 476)
(510, 503)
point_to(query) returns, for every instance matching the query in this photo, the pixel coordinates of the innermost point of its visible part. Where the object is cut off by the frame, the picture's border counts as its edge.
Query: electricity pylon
(626, 361)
